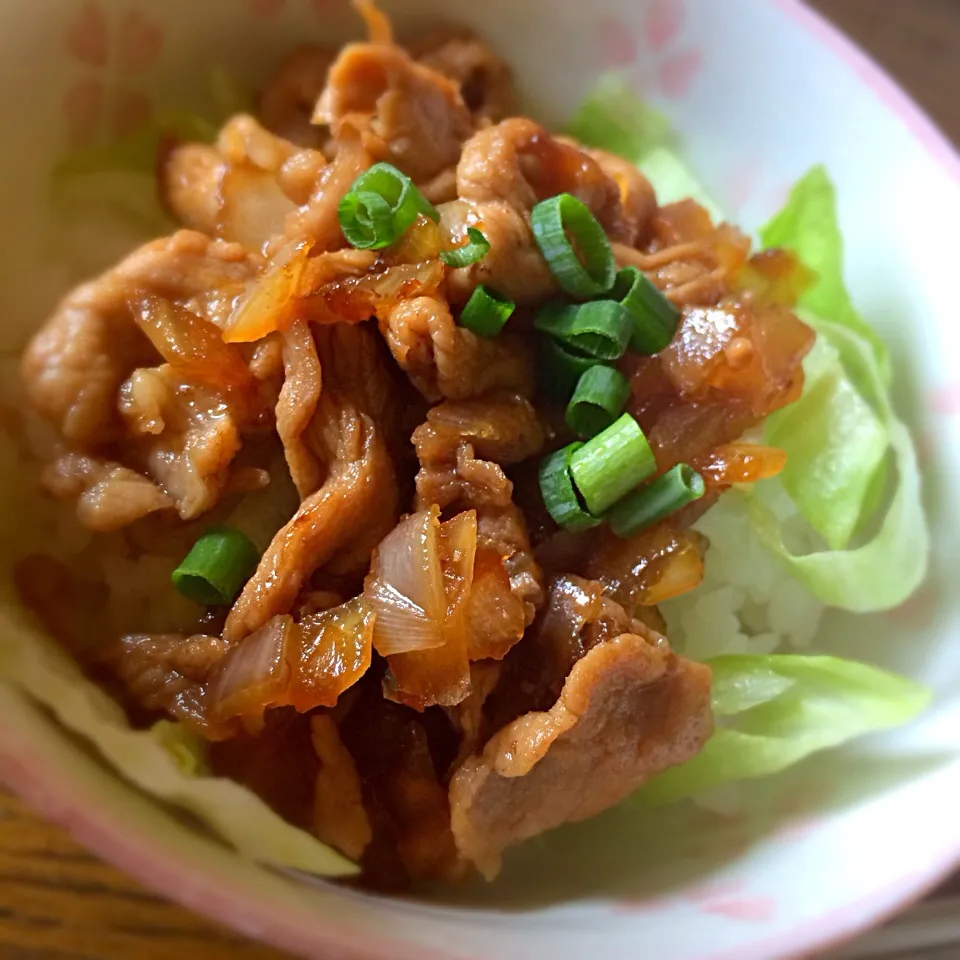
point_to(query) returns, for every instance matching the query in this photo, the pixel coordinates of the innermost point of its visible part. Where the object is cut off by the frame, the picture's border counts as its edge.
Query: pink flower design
(620, 47)
(86, 37)
(677, 73)
(649, 56)
(663, 22)
(140, 42)
(91, 102)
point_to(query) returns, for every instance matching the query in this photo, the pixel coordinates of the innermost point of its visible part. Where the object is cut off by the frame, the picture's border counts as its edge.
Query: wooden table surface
(59, 903)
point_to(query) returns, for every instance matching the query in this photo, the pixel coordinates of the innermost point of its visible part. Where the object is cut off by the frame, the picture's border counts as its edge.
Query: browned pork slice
(485, 79)
(443, 359)
(519, 163)
(514, 266)
(168, 672)
(290, 95)
(74, 366)
(411, 116)
(339, 816)
(358, 501)
(109, 496)
(628, 710)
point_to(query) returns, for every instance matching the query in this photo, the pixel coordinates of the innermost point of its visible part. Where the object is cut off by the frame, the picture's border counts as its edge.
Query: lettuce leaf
(884, 571)
(808, 225)
(835, 445)
(774, 711)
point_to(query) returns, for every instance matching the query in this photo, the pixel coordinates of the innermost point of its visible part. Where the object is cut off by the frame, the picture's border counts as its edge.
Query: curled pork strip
(520, 163)
(514, 265)
(189, 456)
(290, 95)
(410, 115)
(638, 201)
(297, 405)
(358, 501)
(108, 496)
(629, 710)
(190, 179)
(485, 79)
(323, 187)
(443, 359)
(74, 366)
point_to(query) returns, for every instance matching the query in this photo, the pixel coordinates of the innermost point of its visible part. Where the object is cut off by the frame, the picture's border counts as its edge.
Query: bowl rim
(149, 862)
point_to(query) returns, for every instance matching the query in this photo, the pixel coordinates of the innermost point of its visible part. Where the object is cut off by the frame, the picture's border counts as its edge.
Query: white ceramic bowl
(759, 90)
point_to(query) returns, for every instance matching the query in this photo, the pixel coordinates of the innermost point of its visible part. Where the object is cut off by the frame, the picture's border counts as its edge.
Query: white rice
(748, 602)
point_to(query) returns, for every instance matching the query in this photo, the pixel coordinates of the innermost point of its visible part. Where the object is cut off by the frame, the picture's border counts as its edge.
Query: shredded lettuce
(166, 761)
(843, 439)
(773, 711)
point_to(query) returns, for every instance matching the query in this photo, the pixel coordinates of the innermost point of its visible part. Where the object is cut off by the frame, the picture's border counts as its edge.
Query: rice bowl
(749, 607)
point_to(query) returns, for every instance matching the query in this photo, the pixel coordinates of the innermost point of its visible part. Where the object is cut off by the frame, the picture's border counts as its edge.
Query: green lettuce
(773, 711)
(846, 448)
(808, 225)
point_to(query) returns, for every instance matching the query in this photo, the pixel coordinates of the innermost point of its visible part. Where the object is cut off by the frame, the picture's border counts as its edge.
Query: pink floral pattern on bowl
(652, 56)
(109, 52)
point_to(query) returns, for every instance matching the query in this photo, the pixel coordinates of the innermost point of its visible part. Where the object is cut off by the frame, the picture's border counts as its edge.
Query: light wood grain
(59, 903)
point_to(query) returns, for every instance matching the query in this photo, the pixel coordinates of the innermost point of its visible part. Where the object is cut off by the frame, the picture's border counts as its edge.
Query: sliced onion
(335, 651)
(253, 207)
(401, 626)
(254, 675)
(270, 303)
(192, 346)
(405, 587)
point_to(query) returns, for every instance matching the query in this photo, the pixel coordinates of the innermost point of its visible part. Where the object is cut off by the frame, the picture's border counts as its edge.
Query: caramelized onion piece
(253, 208)
(192, 346)
(305, 665)
(648, 568)
(420, 578)
(270, 303)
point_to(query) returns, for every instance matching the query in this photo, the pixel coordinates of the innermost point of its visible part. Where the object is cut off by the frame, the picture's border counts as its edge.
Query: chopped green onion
(655, 318)
(559, 494)
(657, 500)
(598, 400)
(486, 312)
(217, 566)
(599, 329)
(574, 245)
(380, 207)
(610, 465)
(476, 248)
(561, 368)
